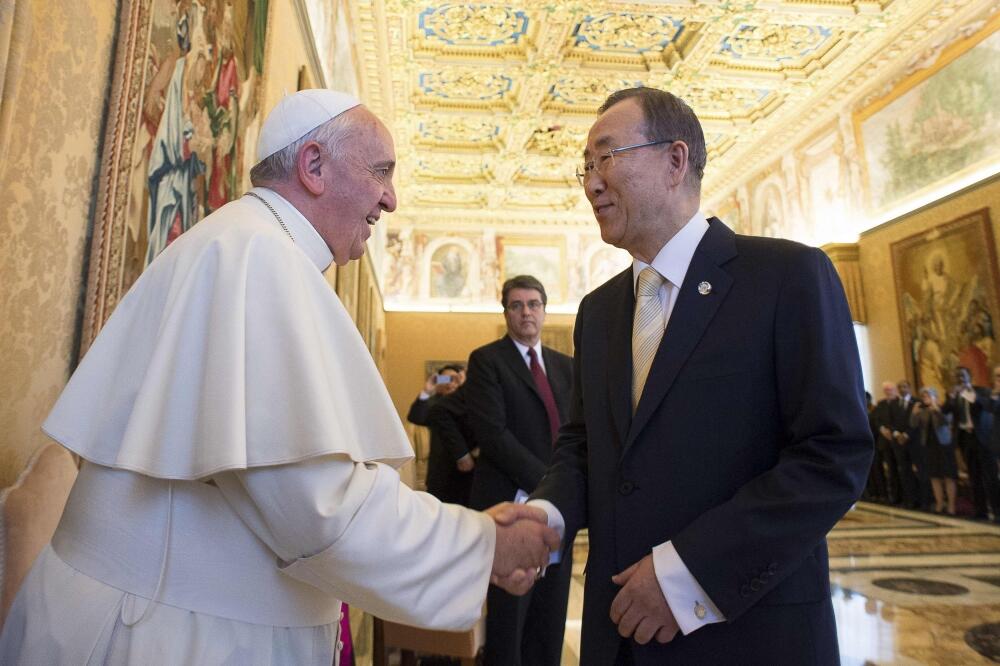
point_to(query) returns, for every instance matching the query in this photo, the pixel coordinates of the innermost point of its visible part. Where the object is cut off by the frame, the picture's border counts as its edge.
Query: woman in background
(935, 438)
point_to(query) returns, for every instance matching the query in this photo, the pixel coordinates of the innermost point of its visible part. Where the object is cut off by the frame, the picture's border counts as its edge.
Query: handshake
(523, 544)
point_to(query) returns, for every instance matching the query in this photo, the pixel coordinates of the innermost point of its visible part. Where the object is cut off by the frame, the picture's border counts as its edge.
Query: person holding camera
(441, 408)
(935, 442)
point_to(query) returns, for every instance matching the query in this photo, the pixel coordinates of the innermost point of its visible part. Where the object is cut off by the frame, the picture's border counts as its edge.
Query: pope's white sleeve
(355, 530)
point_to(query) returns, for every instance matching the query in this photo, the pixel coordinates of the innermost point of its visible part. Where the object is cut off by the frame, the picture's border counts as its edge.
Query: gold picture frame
(946, 282)
(947, 126)
(543, 257)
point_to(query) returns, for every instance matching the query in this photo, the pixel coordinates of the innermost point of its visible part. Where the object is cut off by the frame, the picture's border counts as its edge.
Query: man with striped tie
(717, 429)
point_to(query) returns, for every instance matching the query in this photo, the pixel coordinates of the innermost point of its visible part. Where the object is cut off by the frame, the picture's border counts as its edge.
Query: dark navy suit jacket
(750, 441)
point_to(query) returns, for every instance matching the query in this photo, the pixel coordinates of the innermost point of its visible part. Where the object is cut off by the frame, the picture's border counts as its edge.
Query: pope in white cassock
(240, 450)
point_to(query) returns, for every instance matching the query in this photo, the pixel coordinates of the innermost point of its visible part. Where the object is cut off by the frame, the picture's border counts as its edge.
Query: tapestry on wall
(936, 126)
(183, 119)
(946, 287)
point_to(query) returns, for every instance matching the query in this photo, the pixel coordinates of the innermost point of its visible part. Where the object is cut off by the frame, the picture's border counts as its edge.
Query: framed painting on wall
(449, 271)
(542, 257)
(347, 287)
(936, 126)
(182, 117)
(361, 309)
(946, 288)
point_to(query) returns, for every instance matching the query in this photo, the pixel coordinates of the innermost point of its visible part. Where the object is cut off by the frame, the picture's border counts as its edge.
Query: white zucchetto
(298, 114)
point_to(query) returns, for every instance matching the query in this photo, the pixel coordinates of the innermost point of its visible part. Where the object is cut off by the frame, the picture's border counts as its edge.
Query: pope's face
(358, 187)
(627, 194)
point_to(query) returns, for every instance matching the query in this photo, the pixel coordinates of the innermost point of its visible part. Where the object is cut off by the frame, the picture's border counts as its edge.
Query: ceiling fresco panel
(490, 102)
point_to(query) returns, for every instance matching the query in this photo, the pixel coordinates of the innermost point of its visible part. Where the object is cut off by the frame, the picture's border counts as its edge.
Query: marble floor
(908, 588)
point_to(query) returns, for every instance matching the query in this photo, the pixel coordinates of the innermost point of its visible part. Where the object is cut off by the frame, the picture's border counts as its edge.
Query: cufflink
(699, 610)
(704, 288)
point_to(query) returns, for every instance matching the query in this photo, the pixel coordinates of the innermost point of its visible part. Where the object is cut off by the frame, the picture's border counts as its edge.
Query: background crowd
(938, 452)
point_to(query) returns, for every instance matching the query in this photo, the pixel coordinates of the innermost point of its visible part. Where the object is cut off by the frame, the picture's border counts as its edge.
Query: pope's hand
(523, 544)
(640, 610)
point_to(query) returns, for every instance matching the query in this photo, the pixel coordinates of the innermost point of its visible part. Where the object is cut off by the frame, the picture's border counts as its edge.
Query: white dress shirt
(523, 350)
(683, 593)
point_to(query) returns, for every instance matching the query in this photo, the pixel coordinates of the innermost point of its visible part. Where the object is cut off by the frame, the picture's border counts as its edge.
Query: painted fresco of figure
(940, 293)
(978, 343)
(197, 107)
(450, 272)
(173, 166)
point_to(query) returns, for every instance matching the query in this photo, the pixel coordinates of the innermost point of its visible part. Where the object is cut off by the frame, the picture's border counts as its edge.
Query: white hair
(281, 165)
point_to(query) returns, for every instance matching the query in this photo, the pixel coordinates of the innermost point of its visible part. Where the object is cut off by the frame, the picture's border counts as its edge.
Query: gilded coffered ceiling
(490, 102)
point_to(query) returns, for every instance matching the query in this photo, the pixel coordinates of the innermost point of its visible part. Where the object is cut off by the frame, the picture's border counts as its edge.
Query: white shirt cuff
(687, 600)
(555, 520)
(424, 395)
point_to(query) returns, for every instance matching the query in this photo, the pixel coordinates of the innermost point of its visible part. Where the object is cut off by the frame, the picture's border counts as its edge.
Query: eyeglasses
(602, 161)
(517, 306)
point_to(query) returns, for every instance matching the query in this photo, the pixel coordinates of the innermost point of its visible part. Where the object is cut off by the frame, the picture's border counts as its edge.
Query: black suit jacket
(508, 419)
(746, 492)
(991, 405)
(444, 416)
(981, 414)
(450, 440)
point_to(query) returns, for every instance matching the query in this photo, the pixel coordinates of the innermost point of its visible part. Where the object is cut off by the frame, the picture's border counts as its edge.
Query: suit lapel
(689, 320)
(512, 357)
(620, 352)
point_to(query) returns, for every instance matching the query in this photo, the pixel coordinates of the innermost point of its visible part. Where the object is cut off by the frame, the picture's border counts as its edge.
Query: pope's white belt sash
(114, 530)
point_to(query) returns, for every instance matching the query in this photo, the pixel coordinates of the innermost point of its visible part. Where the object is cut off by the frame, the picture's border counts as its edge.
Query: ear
(677, 157)
(309, 166)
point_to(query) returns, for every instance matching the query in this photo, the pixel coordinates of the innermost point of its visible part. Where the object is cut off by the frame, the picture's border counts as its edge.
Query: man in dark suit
(440, 407)
(892, 418)
(717, 430)
(883, 457)
(993, 406)
(972, 427)
(452, 457)
(909, 438)
(517, 396)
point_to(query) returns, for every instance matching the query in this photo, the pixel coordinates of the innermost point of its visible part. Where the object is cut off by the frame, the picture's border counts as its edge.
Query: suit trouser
(886, 461)
(969, 445)
(877, 486)
(903, 462)
(987, 463)
(528, 630)
(918, 453)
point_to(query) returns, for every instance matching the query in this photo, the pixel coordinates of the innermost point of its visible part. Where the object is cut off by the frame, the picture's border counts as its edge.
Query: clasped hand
(524, 542)
(640, 610)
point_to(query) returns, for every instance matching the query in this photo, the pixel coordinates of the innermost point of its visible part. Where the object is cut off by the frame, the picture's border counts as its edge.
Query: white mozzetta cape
(230, 352)
(230, 356)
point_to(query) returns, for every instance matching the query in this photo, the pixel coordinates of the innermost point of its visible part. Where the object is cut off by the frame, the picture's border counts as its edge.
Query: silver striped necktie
(647, 329)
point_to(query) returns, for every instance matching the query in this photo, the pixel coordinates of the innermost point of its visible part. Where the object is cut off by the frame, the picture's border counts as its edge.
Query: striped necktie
(647, 329)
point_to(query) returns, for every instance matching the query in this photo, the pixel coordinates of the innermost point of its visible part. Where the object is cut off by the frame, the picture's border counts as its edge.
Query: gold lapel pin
(704, 288)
